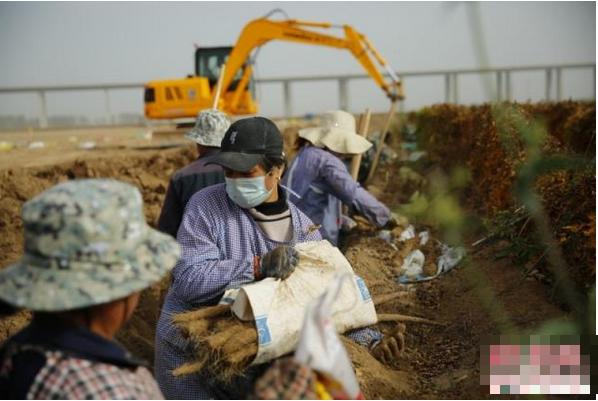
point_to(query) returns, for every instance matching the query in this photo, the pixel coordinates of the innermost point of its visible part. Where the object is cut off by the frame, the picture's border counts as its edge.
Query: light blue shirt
(321, 183)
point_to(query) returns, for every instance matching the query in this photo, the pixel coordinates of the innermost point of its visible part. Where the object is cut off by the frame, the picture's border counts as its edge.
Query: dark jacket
(183, 184)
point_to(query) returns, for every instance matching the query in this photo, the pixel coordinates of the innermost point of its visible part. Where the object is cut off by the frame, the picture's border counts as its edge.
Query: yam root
(395, 317)
(382, 299)
(210, 311)
(226, 346)
(188, 368)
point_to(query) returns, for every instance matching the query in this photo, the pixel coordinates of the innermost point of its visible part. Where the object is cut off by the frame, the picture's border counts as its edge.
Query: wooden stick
(218, 87)
(201, 313)
(218, 339)
(195, 328)
(240, 356)
(364, 125)
(395, 317)
(389, 117)
(188, 368)
(382, 299)
(246, 337)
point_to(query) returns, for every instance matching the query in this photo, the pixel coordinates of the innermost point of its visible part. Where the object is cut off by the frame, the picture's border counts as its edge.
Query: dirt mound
(377, 381)
(440, 361)
(148, 170)
(443, 361)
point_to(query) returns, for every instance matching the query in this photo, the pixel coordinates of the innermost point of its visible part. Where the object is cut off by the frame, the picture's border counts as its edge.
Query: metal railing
(553, 79)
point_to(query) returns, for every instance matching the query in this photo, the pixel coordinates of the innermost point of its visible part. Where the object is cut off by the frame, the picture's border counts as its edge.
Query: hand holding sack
(278, 263)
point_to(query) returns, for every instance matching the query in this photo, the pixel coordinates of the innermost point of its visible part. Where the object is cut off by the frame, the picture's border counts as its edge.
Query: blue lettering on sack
(363, 289)
(263, 331)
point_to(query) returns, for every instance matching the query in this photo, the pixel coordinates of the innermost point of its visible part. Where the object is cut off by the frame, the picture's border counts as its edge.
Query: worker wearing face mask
(231, 234)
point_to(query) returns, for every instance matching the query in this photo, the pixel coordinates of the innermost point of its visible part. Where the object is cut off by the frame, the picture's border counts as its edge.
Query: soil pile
(148, 170)
(439, 361)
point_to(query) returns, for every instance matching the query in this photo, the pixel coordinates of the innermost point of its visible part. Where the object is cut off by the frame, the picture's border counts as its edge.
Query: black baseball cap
(246, 142)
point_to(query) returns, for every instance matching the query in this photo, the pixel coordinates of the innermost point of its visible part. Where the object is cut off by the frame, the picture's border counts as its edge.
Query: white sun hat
(337, 133)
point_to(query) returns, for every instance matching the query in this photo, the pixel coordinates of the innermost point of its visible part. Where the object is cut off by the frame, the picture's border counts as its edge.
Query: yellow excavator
(184, 98)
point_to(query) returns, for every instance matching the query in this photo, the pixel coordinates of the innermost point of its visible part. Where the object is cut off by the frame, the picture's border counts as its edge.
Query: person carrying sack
(88, 254)
(320, 182)
(232, 234)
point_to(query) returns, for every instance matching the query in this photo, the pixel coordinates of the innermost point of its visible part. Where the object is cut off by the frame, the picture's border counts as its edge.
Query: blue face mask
(247, 192)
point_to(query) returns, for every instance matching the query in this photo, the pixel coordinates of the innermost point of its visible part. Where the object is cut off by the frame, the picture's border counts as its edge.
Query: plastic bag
(407, 234)
(321, 349)
(413, 265)
(449, 258)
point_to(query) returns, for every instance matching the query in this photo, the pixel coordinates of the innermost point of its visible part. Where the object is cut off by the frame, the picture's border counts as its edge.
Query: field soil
(439, 362)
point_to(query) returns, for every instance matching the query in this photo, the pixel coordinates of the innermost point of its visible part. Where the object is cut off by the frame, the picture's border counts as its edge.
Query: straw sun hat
(337, 133)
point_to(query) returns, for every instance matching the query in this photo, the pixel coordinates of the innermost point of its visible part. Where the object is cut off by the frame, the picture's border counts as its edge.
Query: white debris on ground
(412, 269)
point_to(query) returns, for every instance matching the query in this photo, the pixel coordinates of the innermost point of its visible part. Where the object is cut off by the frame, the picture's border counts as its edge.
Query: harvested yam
(430, 268)
(382, 299)
(395, 317)
(226, 345)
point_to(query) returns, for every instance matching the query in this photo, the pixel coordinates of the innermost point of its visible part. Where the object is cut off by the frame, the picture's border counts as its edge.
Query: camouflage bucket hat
(210, 127)
(86, 243)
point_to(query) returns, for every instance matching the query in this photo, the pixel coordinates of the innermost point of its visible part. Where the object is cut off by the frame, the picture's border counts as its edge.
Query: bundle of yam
(225, 346)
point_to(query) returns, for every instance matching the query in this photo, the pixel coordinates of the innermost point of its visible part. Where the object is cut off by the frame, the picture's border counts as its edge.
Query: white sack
(278, 306)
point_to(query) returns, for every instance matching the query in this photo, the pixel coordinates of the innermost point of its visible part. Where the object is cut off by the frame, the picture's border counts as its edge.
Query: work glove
(278, 263)
(396, 220)
(391, 347)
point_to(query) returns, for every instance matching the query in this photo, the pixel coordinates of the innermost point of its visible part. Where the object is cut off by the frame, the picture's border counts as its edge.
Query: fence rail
(552, 84)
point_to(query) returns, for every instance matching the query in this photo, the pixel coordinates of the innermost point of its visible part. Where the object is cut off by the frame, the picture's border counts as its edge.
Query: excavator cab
(170, 99)
(209, 60)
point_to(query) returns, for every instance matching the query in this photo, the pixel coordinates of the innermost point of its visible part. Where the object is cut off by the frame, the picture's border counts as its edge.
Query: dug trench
(439, 361)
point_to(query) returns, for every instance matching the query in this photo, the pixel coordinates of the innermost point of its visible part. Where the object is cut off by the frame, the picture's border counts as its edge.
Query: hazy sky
(72, 43)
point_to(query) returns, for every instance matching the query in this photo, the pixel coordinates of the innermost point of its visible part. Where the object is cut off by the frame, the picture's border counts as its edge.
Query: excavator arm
(260, 31)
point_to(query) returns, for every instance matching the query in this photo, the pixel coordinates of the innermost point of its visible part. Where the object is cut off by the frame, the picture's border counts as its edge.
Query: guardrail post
(508, 84)
(447, 88)
(559, 87)
(455, 88)
(343, 94)
(43, 116)
(109, 117)
(288, 106)
(548, 88)
(498, 86)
